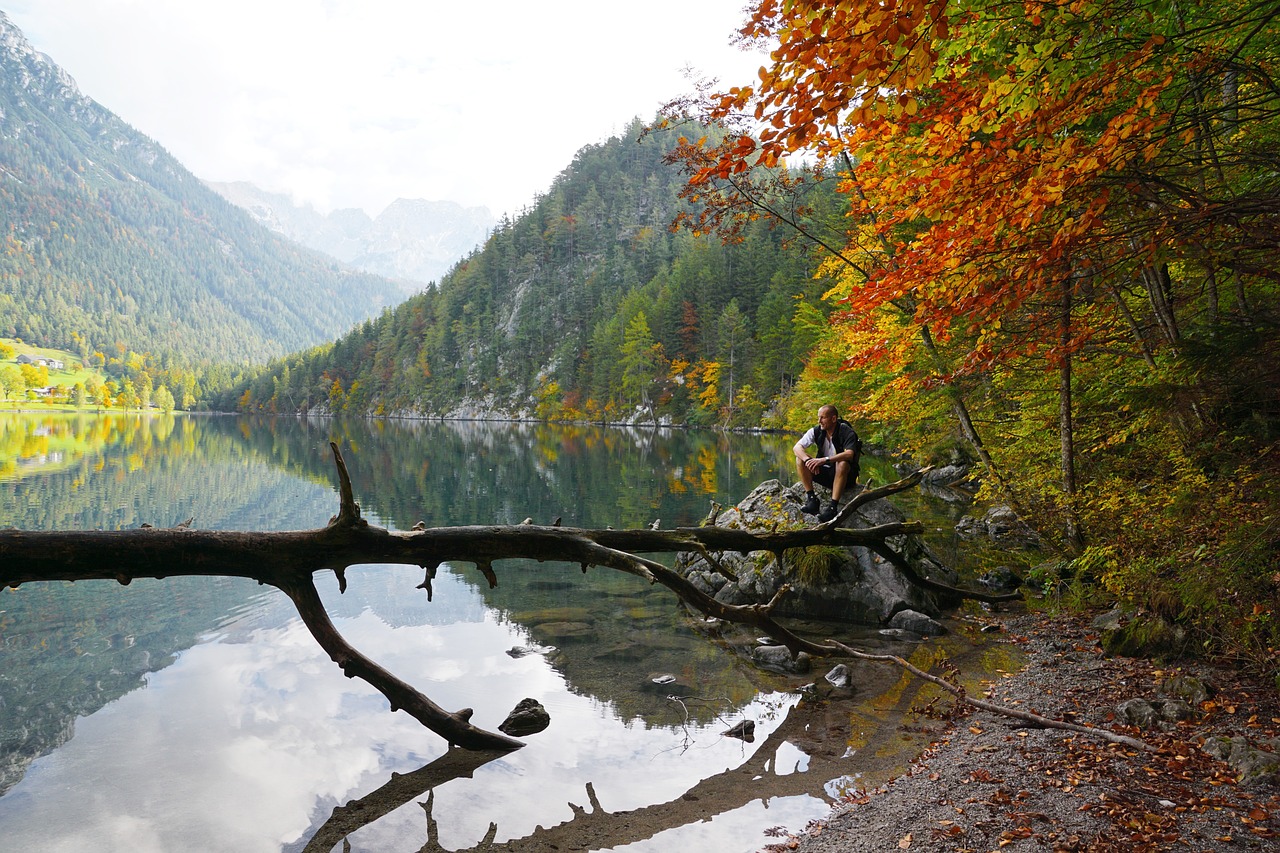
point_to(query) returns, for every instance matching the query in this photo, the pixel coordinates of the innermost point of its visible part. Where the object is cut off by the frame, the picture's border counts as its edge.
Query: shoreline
(990, 782)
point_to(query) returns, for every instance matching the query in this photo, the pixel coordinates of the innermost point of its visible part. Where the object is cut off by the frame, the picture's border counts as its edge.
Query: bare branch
(288, 561)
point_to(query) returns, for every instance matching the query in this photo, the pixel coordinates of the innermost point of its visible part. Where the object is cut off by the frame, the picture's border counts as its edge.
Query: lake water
(199, 714)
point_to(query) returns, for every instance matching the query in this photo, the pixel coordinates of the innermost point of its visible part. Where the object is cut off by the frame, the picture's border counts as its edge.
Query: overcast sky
(355, 103)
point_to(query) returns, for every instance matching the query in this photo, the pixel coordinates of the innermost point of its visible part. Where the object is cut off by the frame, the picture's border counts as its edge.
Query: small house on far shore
(51, 363)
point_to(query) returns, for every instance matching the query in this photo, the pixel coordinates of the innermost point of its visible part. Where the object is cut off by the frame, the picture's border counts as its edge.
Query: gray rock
(1112, 620)
(1000, 524)
(1145, 636)
(917, 623)
(839, 676)
(946, 475)
(527, 718)
(1189, 689)
(1138, 712)
(1001, 579)
(859, 586)
(1176, 710)
(778, 659)
(1250, 763)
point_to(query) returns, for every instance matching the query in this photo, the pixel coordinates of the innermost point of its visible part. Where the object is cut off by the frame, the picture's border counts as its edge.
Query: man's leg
(811, 503)
(806, 476)
(838, 481)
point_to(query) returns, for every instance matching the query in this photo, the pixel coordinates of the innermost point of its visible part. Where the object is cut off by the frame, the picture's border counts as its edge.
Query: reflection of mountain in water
(69, 649)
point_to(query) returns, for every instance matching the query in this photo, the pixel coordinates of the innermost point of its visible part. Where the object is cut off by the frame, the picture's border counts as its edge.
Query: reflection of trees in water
(444, 473)
(465, 472)
(120, 470)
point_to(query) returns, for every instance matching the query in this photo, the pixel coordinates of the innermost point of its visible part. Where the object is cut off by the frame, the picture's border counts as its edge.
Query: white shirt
(806, 441)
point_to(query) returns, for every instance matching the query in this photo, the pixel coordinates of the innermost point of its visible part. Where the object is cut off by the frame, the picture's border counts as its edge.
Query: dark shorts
(826, 475)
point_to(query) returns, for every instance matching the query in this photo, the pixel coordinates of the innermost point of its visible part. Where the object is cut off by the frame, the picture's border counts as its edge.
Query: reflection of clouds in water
(243, 746)
(739, 829)
(263, 730)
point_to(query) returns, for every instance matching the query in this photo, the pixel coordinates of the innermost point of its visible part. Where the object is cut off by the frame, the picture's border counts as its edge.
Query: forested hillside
(586, 305)
(110, 245)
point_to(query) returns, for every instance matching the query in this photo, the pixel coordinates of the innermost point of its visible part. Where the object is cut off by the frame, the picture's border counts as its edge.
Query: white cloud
(354, 103)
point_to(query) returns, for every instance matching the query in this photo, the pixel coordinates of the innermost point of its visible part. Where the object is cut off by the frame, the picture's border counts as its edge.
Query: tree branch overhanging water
(288, 560)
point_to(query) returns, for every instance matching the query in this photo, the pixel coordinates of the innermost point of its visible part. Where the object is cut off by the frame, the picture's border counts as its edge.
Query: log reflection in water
(821, 728)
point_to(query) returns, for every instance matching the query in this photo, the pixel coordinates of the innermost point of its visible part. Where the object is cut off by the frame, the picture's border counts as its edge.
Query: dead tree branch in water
(288, 561)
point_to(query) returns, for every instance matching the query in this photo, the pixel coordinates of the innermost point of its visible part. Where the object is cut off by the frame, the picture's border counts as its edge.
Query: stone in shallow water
(561, 631)
(666, 684)
(839, 676)
(919, 623)
(527, 718)
(778, 659)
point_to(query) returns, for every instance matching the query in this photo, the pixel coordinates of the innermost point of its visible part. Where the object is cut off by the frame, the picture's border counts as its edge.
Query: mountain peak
(29, 70)
(414, 240)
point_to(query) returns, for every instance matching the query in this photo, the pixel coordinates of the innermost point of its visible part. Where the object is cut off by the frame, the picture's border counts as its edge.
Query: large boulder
(857, 586)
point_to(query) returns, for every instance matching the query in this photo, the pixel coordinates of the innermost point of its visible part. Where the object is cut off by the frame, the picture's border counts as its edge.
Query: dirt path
(988, 784)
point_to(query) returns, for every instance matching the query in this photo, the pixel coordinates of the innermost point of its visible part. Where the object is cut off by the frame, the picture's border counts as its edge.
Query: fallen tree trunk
(289, 560)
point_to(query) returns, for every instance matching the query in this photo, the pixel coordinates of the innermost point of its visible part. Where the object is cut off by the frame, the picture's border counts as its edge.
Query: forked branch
(289, 560)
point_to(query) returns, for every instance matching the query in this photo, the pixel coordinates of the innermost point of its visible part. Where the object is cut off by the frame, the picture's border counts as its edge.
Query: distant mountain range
(107, 243)
(413, 241)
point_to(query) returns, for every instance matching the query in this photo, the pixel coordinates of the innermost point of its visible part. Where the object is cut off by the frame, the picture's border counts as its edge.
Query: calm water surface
(198, 713)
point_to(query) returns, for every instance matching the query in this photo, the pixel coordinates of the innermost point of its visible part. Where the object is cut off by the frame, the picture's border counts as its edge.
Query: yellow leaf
(904, 842)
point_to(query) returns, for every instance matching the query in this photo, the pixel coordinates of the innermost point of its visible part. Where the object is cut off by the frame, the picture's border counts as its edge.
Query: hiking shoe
(811, 505)
(829, 511)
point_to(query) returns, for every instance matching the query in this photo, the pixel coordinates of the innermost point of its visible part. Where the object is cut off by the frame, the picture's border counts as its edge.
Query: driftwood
(289, 560)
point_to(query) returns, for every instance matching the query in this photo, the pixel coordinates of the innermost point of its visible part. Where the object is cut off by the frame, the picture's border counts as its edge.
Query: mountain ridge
(412, 241)
(108, 243)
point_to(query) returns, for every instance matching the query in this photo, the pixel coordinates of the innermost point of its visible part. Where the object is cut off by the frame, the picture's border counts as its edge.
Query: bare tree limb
(288, 561)
(1025, 716)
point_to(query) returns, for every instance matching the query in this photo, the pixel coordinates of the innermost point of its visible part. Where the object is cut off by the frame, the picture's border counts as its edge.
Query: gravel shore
(992, 782)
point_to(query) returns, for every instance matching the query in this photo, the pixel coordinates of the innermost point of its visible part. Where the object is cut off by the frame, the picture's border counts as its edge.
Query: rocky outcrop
(1001, 525)
(847, 584)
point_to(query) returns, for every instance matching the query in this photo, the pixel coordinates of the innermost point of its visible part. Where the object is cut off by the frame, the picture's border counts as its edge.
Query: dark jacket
(845, 438)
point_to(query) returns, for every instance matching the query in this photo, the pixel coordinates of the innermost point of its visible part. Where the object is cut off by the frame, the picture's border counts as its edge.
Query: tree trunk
(1066, 433)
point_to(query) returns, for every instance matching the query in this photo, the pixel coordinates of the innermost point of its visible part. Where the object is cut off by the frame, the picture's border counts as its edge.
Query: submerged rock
(779, 659)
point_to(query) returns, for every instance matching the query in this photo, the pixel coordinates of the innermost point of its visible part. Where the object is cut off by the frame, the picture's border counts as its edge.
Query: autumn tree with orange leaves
(1061, 246)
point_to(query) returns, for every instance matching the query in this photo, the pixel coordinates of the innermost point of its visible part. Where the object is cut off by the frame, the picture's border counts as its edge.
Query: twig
(1025, 716)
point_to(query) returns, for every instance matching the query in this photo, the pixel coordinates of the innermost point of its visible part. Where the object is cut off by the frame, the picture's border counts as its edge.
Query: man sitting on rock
(834, 463)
